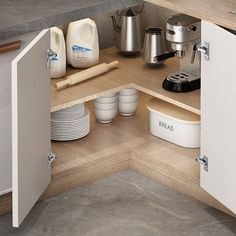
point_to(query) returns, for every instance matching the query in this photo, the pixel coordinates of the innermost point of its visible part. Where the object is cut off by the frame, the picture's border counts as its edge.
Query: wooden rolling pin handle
(86, 74)
(113, 65)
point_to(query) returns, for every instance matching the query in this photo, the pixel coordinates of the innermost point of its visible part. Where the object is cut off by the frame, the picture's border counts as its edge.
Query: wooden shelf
(216, 11)
(133, 72)
(111, 145)
(124, 143)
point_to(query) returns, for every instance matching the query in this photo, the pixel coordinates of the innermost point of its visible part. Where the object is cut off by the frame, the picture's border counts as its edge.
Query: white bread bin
(174, 124)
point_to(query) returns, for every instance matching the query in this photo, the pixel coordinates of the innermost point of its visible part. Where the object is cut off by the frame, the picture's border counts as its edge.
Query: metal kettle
(128, 37)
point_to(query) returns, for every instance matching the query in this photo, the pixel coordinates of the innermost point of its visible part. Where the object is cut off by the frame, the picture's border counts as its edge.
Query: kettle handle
(115, 25)
(140, 10)
(119, 13)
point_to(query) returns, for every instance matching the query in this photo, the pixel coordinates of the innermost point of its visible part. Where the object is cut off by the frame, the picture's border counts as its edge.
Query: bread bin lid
(173, 112)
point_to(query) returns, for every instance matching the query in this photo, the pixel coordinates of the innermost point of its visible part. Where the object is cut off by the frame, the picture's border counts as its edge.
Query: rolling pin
(86, 74)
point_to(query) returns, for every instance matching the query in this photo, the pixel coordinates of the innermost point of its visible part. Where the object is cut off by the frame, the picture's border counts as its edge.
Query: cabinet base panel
(125, 143)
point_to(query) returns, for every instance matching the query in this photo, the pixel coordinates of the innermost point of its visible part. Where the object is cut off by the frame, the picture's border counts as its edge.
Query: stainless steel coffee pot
(128, 39)
(154, 45)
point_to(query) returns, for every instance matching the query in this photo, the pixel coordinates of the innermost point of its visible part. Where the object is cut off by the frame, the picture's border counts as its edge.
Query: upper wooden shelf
(133, 72)
(216, 11)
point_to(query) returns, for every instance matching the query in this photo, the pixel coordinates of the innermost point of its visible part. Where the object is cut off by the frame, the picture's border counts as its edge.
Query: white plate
(70, 129)
(71, 113)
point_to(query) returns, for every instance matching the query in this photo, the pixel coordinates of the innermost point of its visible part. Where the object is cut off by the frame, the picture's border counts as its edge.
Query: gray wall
(151, 16)
(155, 16)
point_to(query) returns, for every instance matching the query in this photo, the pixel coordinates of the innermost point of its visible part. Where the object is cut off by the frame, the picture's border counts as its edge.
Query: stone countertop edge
(40, 22)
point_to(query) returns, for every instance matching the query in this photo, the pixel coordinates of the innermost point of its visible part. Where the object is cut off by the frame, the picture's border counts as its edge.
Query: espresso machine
(184, 33)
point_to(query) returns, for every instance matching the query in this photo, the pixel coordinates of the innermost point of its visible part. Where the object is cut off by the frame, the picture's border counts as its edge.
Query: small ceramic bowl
(127, 109)
(105, 116)
(128, 98)
(105, 106)
(107, 99)
(128, 91)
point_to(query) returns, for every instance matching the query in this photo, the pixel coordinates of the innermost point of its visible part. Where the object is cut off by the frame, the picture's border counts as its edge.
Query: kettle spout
(115, 25)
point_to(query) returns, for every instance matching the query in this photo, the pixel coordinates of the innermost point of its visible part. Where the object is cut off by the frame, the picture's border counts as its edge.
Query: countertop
(23, 16)
(220, 12)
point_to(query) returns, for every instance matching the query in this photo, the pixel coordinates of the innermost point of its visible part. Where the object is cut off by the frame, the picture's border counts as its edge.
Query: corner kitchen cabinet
(31, 120)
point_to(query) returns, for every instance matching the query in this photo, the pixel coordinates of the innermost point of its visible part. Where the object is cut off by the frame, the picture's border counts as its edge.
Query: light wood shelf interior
(124, 143)
(216, 11)
(114, 144)
(133, 72)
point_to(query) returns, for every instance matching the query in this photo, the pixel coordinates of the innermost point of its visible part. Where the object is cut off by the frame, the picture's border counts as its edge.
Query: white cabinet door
(218, 109)
(5, 111)
(30, 126)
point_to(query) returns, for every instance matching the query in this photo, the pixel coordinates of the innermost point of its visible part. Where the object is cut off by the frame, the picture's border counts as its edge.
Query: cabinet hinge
(51, 158)
(205, 48)
(203, 161)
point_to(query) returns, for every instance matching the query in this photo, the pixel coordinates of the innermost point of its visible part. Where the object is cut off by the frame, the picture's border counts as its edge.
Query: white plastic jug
(57, 44)
(82, 44)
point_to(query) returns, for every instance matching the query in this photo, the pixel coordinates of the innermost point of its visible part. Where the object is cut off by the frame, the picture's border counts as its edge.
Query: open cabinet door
(30, 126)
(218, 114)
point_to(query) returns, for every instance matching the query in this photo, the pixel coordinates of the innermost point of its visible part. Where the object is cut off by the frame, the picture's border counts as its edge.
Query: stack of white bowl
(128, 101)
(105, 108)
(70, 123)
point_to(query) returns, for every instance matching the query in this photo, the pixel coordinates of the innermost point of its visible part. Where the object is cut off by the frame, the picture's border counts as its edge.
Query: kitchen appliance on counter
(184, 33)
(154, 45)
(128, 37)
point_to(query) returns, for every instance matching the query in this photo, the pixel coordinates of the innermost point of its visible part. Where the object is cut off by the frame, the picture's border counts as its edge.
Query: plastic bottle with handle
(82, 44)
(57, 44)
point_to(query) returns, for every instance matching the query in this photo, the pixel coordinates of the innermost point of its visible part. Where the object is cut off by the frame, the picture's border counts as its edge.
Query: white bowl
(127, 109)
(128, 98)
(107, 99)
(105, 106)
(128, 91)
(105, 116)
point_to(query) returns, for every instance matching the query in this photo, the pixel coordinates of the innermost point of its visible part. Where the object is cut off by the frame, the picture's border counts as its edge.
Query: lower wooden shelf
(124, 143)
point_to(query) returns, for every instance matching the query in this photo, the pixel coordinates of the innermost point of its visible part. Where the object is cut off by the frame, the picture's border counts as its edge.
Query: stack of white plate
(128, 101)
(70, 123)
(105, 108)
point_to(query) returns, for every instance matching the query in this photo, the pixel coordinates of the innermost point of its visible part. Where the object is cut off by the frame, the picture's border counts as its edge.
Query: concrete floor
(126, 203)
